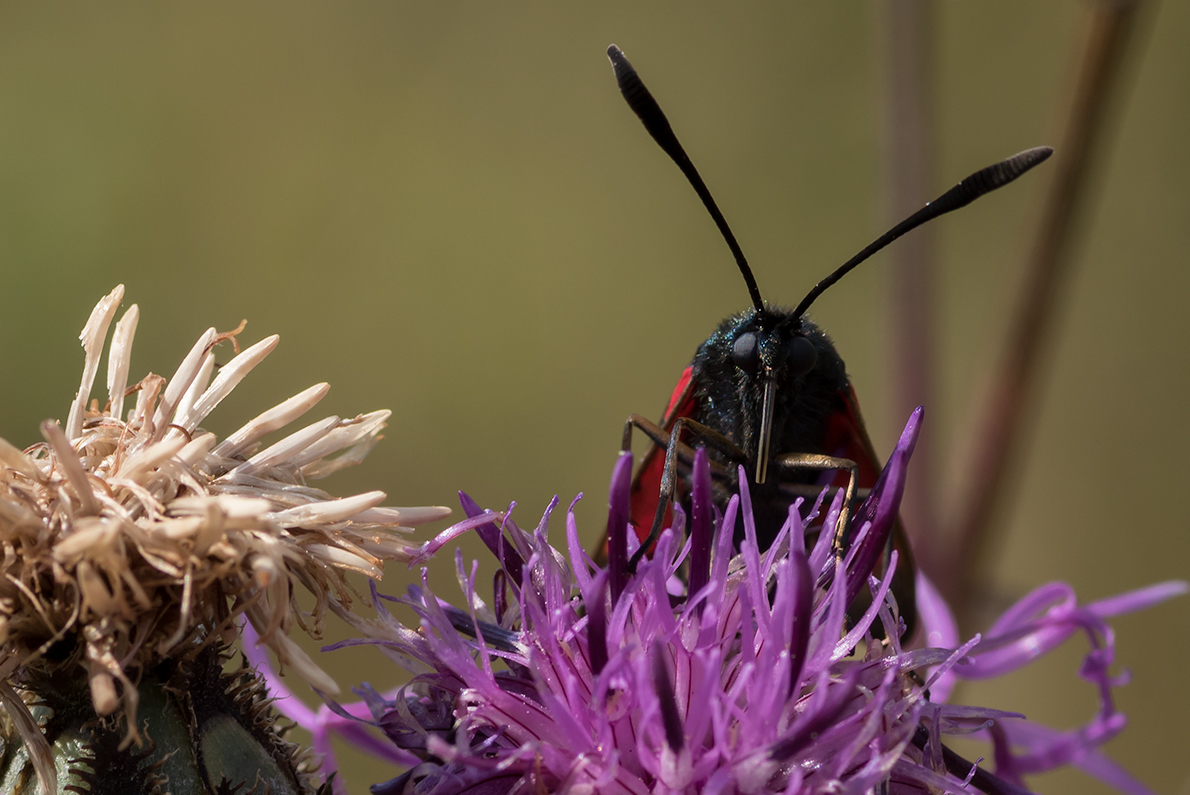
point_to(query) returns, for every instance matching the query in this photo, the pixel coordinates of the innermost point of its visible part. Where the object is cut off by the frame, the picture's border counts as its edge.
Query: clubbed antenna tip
(650, 114)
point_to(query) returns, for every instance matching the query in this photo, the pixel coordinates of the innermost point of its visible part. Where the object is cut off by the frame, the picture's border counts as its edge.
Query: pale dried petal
(409, 517)
(92, 337)
(16, 516)
(266, 571)
(283, 451)
(385, 547)
(326, 467)
(71, 466)
(344, 559)
(89, 534)
(232, 506)
(349, 433)
(96, 596)
(103, 691)
(119, 359)
(197, 449)
(129, 540)
(391, 515)
(277, 417)
(177, 386)
(229, 376)
(197, 388)
(13, 457)
(146, 399)
(292, 654)
(151, 457)
(329, 511)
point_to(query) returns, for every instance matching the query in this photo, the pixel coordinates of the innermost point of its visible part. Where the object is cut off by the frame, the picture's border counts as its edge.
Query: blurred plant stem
(908, 147)
(957, 559)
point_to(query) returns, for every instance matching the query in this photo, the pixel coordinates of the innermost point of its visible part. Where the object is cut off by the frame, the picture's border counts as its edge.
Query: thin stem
(1001, 429)
(909, 139)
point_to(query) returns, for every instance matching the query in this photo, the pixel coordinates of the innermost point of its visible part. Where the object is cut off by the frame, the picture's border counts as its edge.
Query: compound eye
(746, 352)
(802, 356)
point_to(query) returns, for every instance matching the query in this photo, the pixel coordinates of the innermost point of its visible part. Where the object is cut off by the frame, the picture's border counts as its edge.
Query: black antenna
(643, 104)
(981, 182)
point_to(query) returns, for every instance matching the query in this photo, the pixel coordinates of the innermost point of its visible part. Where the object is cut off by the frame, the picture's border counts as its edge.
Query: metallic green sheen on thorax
(729, 400)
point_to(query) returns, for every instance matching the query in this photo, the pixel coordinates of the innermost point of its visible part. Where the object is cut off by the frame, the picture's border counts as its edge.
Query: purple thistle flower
(752, 680)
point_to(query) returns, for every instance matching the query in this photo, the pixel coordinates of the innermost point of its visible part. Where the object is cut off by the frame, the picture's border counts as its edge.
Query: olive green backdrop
(447, 210)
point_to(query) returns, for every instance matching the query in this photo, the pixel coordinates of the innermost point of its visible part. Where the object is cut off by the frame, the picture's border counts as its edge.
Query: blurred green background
(447, 210)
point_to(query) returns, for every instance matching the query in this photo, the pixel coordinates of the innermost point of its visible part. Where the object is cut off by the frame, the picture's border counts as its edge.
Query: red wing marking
(646, 485)
(847, 433)
(681, 402)
(847, 437)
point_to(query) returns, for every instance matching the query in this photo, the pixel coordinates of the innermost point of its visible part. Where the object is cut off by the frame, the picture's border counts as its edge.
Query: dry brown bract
(126, 541)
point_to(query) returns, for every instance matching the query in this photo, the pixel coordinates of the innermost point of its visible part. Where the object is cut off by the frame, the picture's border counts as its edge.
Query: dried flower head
(132, 539)
(749, 677)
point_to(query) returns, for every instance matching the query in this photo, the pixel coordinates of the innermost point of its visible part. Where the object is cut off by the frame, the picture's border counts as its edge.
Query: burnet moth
(767, 390)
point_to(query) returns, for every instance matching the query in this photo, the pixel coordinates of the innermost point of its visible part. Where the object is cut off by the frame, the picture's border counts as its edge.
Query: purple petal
(1031, 605)
(580, 562)
(359, 737)
(700, 523)
(1090, 760)
(747, 684)
(618, 525)
(493, 538)
(820, 556)
(845, 646)
(803, 606)
(675, 736)
(597, 625)
(435, 544)
(286, 702)
(941, 631)
(1140, 599)
(881, 507)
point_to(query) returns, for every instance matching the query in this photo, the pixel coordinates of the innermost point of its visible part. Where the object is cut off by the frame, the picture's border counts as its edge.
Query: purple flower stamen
(618, 525)
(597, 626)
(701, 535)
(671, 719)
(971, 773)
(816, 722)
(799, 630)
(493, 539)
(499, 594)
(879, 510)
(750, 677)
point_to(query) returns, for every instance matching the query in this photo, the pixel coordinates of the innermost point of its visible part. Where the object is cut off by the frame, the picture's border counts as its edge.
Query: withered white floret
(124, 540)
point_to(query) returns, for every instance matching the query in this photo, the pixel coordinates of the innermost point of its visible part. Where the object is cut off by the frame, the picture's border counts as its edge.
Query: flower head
(132, 539)
(707, 671)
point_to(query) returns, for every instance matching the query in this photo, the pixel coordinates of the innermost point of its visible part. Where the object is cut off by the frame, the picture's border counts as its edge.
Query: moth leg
(669, 476)
(792, 462)
(657, 435)
(660, 439)
(904, 587)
